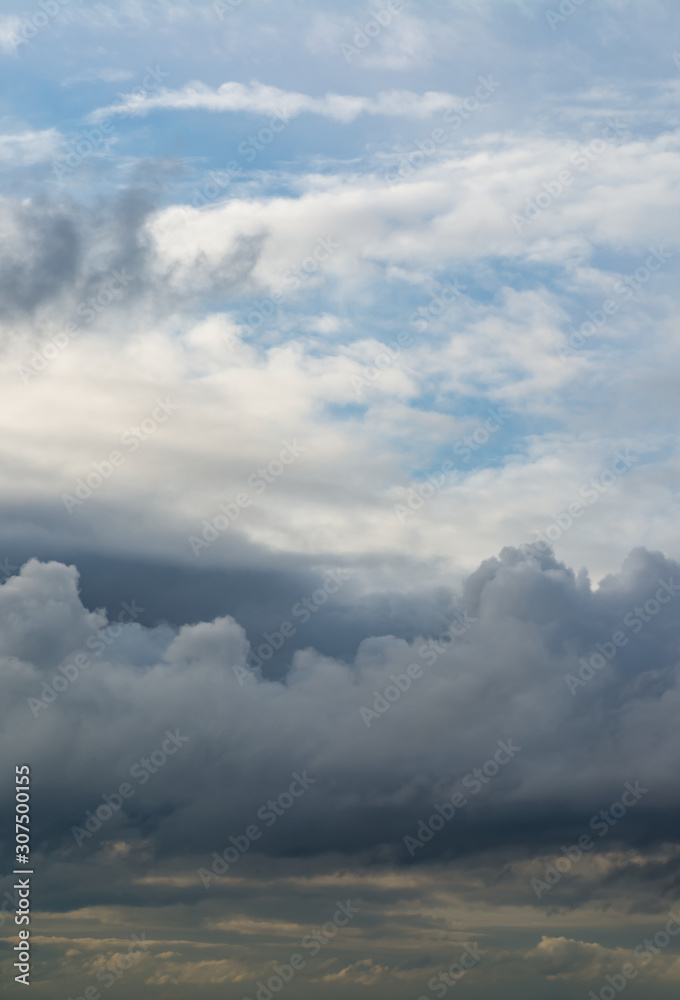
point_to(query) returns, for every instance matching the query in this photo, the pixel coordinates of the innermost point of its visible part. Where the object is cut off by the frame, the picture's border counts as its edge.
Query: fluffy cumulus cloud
(546, 686)
(395, 403)
(338, 526)
(548, 707)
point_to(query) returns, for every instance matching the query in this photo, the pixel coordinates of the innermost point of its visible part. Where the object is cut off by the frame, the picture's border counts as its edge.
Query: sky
(339, 568)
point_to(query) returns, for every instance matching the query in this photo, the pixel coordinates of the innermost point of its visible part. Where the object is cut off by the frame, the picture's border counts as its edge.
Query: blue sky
(330, 248)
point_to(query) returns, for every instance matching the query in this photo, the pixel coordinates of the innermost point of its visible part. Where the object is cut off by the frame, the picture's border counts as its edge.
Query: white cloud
(63, 624)
(10, 40)
(403, 43)
(258, 98)
(456, 207)
(27, 148)
(107, 75)
(283, 379)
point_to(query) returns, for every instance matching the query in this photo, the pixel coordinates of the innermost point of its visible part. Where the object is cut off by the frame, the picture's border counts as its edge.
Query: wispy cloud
(258, 98)
(9, 33)
(107, 75)
(26, 148)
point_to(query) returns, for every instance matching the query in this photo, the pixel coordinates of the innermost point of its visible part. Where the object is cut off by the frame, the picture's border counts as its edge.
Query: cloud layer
(516, 661)
(305, 312)
(260, 99)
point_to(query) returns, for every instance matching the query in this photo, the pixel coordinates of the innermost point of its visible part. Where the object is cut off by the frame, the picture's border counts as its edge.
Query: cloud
(502, 679)
(108, 75)
(565, 959)
(39, 257)
(403, 43)
(192, 324)
(362, 973)
(56, 253)
(27, 148)
(10, 40)
(225, 313)
(52, 588)
(258, 98)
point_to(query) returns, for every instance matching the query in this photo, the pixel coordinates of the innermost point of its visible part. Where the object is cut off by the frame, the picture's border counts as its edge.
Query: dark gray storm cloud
(583, 681)
(57, 254)
(41, 261)
(256, 586)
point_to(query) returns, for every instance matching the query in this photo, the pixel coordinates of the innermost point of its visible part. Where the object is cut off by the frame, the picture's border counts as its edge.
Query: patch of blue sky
(468, 454)
(342, 412)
